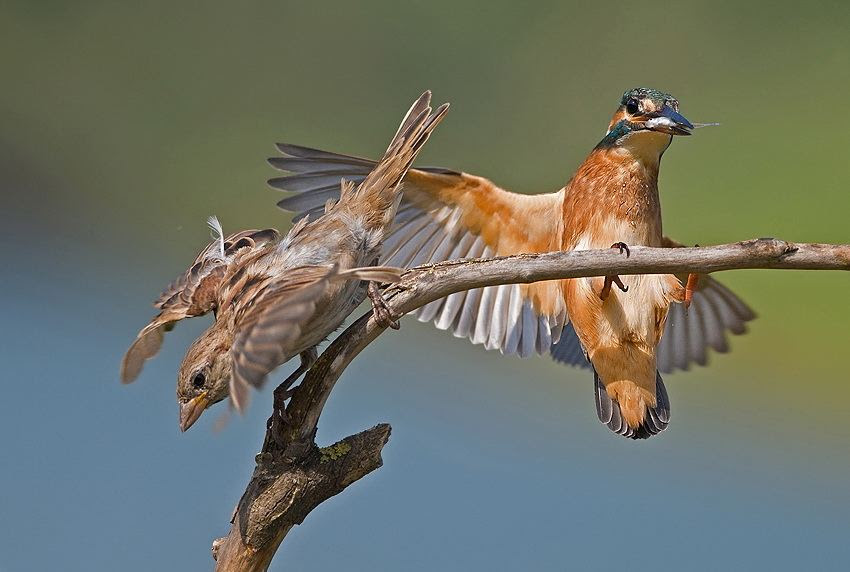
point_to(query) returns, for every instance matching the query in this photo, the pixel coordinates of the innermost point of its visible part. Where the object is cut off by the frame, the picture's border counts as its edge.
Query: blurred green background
(124, 127)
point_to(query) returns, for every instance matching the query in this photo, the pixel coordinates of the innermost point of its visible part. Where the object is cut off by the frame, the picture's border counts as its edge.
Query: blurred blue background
(124, 127)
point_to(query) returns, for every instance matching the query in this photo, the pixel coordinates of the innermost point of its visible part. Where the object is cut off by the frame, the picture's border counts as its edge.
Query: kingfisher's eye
(198, 380)
(632, 106)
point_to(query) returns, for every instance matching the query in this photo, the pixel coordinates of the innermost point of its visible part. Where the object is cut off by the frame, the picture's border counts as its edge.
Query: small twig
(293, 475)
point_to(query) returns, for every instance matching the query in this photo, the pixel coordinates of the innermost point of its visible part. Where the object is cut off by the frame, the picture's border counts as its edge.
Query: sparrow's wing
(689, 333)
(192, 294)
(270, 322)
(145, 346)
(196, 287)
(449, 215)
(269, 326)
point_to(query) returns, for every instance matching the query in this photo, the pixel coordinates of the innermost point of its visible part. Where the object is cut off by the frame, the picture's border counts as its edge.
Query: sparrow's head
(646, 120)
(204, 375)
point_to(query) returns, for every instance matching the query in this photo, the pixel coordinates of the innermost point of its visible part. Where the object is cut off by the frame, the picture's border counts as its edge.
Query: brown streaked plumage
(193, 294)
(283, 297)
(271, 320)
(612, 198)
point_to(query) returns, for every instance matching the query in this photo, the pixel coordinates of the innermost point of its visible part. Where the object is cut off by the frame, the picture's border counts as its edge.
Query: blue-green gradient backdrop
(123, 127)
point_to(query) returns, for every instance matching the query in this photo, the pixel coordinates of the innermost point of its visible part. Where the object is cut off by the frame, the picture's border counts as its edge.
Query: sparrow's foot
(384, 315)
(614, 279)
(283, 392)
(690, 288)
(279, 418)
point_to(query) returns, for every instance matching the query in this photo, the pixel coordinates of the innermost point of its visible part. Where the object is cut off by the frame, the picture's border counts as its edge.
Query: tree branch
(293, 475)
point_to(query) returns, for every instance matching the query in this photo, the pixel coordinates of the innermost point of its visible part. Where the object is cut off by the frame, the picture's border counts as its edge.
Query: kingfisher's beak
(192, 409)
(669, 121)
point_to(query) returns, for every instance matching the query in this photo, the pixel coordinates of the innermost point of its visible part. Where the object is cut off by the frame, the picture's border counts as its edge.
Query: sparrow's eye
(198, 380)
(632, 106)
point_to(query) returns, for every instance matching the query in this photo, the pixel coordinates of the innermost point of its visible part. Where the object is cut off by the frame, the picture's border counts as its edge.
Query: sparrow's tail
(386, 274)
(377, 197)
(630, 413)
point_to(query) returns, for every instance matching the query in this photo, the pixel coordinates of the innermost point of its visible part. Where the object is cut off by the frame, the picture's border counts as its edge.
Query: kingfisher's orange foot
(690, 287)
(614, 279)
(606, 288)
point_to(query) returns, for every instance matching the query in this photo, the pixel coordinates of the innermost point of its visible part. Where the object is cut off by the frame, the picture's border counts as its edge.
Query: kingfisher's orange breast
(614, 198)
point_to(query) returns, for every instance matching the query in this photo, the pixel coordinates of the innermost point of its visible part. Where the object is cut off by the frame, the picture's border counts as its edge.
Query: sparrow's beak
(668, 121)
(192, 409)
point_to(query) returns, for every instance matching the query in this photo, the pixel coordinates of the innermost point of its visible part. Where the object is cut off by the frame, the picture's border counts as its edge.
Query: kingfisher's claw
(622, 247)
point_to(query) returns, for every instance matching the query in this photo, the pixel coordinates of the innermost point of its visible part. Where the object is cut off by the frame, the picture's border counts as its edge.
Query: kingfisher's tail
(622, 420)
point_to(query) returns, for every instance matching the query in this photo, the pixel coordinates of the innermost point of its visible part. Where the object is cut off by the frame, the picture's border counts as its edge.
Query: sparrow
(276, 297)
(626, 335)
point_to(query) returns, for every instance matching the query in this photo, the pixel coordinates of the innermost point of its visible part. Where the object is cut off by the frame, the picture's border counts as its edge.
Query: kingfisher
(626, 330)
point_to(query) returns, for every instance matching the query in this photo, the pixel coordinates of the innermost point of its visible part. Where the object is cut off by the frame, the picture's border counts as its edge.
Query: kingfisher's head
(645, 122)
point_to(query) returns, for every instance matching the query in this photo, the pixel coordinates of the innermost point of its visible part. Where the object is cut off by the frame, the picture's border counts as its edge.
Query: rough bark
(293, 476)
(283, 491)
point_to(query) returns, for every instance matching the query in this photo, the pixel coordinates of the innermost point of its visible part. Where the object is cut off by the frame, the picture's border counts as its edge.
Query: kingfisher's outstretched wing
(446, 215)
